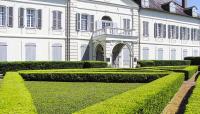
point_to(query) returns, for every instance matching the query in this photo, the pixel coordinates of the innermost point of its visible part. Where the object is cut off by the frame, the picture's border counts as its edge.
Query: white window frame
(31, 21)
(3, 18)
(4, 46)
(145, 3)
(172, 31)
(185, 51)
(57, 21)
(145, 28)
(172, 7)
(194, 12)
(55, 56)
(173, 54)
(85, 21)
(28, 53)
(145, 53)
(160, 57)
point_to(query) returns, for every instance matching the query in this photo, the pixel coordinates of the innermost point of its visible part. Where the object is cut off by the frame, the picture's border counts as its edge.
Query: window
(185, 52)
(184, 33)
(194, 34)
(57, 20)
(6, 16)
(194, 12)
(127, 24)
(126, 56)
(31, 18)
(160, 54)
(172, 7)
(84, 52)
(57, 52)
(159, 30)
(84, 22)
(195, 53)
(145, 53)
(3, 51)
(145, 3)
(173, 54)
(145, 29)
(172, 32)
(30, 52)
(2, 16)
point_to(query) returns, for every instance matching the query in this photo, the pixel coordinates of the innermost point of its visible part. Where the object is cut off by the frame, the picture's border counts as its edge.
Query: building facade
(117, 31)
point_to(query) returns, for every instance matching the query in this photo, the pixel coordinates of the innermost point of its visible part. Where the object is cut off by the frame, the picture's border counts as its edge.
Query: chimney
(184, 3)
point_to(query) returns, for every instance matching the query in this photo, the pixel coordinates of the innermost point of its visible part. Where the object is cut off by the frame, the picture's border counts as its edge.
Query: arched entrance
(99, 53)
(121, 56)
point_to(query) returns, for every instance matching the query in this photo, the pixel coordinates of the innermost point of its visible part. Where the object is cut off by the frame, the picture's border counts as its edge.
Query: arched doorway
(121, 56)
(99, 53)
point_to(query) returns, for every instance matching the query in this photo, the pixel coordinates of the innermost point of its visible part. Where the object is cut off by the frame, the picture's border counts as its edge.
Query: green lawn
(65, 98)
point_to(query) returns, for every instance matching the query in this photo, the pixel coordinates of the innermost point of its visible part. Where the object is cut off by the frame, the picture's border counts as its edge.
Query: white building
(117, 31)
(168, 30)
(32, 30)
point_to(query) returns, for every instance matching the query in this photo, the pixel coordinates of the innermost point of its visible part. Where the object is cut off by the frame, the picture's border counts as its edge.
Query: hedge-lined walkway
(177, 104)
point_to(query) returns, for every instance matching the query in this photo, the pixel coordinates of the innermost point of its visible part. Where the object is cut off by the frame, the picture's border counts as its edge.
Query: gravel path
(177, 104)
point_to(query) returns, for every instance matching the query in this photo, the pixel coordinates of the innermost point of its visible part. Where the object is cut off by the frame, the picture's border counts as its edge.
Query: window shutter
(144, 29)
(181, 33)
(78, 21)
(21, 17)
(54, 20)
(91, 23)
(177, 32)
(10, 17)
(188, 31)
(155, 30)
(39, 19)
(59, 20)
(164, 31)
(169, 31)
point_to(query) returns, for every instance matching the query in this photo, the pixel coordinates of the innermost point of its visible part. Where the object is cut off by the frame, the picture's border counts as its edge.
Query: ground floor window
(3, 51)
(160, 54)
(57, 52)
(126, 56)
(173, 54)
(195, 53)
(30, 52)
(185, 53)
(84, 52)
(145, 53)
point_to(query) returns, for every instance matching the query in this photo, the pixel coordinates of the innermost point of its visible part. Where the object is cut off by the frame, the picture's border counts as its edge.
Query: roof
(160, 5)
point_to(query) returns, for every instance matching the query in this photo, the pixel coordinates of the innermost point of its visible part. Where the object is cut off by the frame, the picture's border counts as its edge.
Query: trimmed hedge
(194, 102)
(14, 97)
(189, 71)
(148, 99)
(15, 66)
(130, 77)
(194, 60)
(151, 63)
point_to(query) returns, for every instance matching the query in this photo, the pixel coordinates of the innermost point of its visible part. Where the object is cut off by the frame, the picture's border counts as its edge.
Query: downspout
(67, 33)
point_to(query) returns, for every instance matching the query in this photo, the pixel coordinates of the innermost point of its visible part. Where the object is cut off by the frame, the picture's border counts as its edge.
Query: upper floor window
(172, 7)
(84, 22)
(145, 28)
(173, 32)
(6, 16)
(145, 3)
(33, 18)
(127, 24)
(194, 12)
(57, 20)
(159, 30)
(194, 34)
(184, 33)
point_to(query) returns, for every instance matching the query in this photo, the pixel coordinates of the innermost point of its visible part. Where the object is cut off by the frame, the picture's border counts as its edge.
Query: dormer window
(172, 7)
(194, 12)
(145, 3)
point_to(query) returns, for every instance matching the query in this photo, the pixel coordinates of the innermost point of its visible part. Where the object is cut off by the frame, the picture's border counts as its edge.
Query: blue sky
(196, 3)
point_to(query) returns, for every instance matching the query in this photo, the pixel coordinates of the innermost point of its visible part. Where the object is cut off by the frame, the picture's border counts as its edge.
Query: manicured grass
(66, 98)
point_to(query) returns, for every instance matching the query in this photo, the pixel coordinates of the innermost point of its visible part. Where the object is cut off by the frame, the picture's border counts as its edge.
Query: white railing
(113, 31)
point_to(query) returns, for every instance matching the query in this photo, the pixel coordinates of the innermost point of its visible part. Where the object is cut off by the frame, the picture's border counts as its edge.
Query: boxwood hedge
(194, 101)
(151, 63)
(14, 97)
(139, 77)
(15, 66)
(148, 99)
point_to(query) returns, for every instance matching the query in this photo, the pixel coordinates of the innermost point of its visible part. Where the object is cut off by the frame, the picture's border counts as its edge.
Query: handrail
(113, 31)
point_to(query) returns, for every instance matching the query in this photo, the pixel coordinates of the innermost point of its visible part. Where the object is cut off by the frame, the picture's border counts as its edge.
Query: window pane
(145, 54)
(3, 51)
(57, 52)
(173, 54)
(160, 54)
(84, 19)
(2, 16)
(30, 50)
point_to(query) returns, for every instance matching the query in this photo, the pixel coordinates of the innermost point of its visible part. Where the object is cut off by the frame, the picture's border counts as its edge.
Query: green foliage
(14, 97)
(68, 97)
(148, 99)
(194, 60)
(194, 102)
(151, 63)
(15, 66)
(129, 77)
